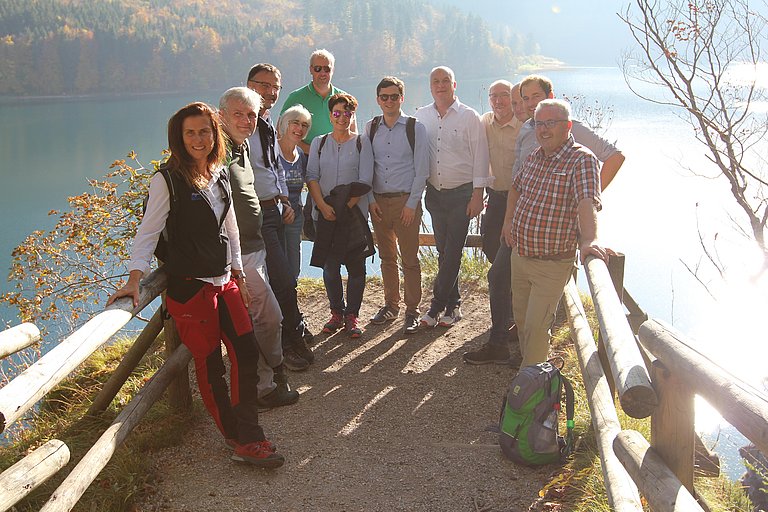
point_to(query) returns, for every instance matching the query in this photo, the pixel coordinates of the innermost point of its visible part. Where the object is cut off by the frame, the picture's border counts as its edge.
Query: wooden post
(633, 384)
(17, 338)
(636, 315)
(622, 492)
(737, 401)
(19, 395)
(73, 487)
(129, 362)
(179, 393)
(672, 425)
(26, 475)
(662, 489)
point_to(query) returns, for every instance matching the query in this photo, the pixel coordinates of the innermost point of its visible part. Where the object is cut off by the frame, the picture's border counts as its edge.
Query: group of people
(228, 203)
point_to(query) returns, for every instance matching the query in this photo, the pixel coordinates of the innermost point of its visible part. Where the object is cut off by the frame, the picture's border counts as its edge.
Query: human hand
(289, 215)
(327, 211)
(131, 289)
(407, 216)
(375, 210)
(475, 206)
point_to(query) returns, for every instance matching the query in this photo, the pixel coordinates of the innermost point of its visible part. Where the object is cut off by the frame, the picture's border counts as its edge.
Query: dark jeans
(280, 278)
(448, 209)
(500, 296)
(493, 220)
(334, 286)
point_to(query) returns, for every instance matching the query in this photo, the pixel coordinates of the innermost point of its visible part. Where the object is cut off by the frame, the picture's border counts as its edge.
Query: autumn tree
(701, 57)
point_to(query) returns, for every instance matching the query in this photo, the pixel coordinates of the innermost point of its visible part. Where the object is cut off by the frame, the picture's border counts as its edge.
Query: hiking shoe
(301, 348)
(335, 323)
(350, 325)
(234, 444)
(450, 317)
(293, 361)
(384, 315)
(307, 336)
(411, 324)
(428, 320)
(513, 334)
(278, 397)
(488, 354)
(259, 453)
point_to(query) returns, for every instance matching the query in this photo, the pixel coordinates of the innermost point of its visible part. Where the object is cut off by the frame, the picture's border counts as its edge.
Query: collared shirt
(268, 176)
(153, 223)
(527, 143)
(458, 147)
(397, 167)
(310, 99)
(501, 148)
(545, 221)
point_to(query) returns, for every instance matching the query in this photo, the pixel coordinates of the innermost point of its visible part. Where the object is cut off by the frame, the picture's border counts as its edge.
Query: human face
(239, 120)
(197, 132)
(323, 77)
(532, 94)
(296, 131)
(389, 106)
(500, 98)
(518, 106)
(341, 118)
(267, 84)
(552, 139)
(443, 87)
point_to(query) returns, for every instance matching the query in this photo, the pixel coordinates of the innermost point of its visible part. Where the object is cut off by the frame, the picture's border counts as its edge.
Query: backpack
(161, 249)
(309, 225)
(528, 423)
(410, 129)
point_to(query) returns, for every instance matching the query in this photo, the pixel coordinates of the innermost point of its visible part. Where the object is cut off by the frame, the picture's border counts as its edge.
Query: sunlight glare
(355, 422)
(556, 9)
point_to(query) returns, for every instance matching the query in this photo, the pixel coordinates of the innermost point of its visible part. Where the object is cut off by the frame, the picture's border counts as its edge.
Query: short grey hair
(295, 113)
(561, 105)
(322, 52)
(443, 68)
(505, 83)
(241, 94)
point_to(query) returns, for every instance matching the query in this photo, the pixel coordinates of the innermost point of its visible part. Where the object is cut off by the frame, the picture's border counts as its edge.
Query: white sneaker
(450, 318)
(428, 321)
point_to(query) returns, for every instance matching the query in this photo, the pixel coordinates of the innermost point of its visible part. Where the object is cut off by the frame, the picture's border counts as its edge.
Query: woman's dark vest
(197, 241)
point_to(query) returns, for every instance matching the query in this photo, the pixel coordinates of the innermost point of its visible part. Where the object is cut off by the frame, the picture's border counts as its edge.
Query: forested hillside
(53, 47)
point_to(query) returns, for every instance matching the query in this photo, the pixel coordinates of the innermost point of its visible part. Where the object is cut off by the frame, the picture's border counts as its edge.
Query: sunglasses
(389, 97)
(346, 113)
(318, 69)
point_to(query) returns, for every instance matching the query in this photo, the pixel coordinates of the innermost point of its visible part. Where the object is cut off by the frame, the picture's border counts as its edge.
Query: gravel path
(384, 423)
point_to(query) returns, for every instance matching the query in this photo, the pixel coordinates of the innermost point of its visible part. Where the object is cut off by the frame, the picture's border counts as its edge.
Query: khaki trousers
(537, 286)
(391, 234)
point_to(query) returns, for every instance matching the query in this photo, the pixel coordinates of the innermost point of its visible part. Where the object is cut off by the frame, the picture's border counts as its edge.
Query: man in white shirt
(458, 173)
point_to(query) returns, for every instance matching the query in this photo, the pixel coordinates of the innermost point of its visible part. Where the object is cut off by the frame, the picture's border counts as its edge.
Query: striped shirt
(545, 221)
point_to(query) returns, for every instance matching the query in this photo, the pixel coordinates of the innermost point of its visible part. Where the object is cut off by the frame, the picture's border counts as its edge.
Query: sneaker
(384, 315)
(307, 336)
(450, 317)
(488, 354)
(301, 348)
(234, 444)
(411, 324)
(350, 325)
(260, 453)
(293, 361)
(335, 323)
(428, 320)
(280, 396)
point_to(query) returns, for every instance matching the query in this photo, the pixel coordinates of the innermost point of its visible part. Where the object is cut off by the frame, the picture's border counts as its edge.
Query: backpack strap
(410, 132)
(359, 145)
(323, 139)
(375, 122)
(569, 415)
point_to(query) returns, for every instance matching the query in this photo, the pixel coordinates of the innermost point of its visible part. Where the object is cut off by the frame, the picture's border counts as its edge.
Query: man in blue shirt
(400, 172)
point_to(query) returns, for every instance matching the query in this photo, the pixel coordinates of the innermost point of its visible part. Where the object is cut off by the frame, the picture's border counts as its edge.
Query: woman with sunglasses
(339, 177)
(191, 197)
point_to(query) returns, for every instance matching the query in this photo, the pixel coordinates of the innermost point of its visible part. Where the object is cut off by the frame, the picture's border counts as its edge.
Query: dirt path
(386, 422)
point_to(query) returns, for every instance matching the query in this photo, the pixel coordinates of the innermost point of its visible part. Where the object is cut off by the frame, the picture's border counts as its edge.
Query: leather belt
(268, 203)
(565, 255)
(389, 195)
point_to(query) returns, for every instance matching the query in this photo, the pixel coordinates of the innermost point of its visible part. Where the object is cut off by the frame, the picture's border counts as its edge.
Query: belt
(502, 193)
(391, 194)
(565, 255)
(267, 203)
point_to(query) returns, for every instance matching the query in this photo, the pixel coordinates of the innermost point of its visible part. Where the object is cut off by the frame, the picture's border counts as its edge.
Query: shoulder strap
(374, 126)
(170, 222)
(569, 414)
(322, 143)
(359, 145)
(410, 131)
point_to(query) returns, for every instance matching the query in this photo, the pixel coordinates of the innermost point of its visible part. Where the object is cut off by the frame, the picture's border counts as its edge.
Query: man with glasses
(553, 205)
(458, 173)
(272, 192)
(400, 171)
(315, 95)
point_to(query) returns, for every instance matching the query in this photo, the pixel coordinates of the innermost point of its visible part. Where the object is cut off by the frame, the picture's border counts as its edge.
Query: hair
(349, 101)
(323, 53)
(296, 112)
(443, 68)
(543, 82)
(241, 94)
(389, 81)
(180, 160)
(509, 85)
(561, 105)
(263, 66)
(519, 86)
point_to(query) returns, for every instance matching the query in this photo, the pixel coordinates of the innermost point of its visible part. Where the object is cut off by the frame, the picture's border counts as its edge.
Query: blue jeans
(293, 243)
(448, 209)
(500, 296)
(334, 286)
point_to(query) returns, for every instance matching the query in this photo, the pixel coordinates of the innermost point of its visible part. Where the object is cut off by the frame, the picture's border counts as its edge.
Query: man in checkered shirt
(554, 203)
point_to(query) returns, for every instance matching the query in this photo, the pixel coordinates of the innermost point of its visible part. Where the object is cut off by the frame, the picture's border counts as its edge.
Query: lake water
(50, 148)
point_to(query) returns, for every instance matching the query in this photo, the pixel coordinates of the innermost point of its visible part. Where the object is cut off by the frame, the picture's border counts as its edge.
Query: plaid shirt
(545, 222)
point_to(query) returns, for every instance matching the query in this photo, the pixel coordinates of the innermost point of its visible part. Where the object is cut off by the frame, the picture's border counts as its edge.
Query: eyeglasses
(318, 69)
(495, 96)
(296, 122)
(549, 124)
(266, 85)
(389, 97)
(346, 113)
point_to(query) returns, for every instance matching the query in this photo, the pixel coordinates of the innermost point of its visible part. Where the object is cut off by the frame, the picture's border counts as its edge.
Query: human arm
(605, 151)
(364, 168)
(588, 243)
(325, 209)
(129, 289)
(506, 230)
(475, 205)
(233, 234)
(610, 168)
